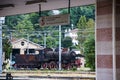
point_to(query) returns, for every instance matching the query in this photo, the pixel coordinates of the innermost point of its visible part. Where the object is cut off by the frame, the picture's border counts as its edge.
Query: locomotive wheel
(44, 66)
(69, 66)
(52, 65)
(63, 66)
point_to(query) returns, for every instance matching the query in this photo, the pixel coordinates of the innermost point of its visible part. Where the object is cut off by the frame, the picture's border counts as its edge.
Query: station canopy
(13, 7)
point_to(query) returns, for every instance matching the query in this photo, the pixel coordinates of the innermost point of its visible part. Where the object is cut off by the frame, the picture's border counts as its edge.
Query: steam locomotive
(48, 59)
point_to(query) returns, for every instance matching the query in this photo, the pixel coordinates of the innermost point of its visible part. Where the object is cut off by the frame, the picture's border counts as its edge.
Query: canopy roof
(12, 7)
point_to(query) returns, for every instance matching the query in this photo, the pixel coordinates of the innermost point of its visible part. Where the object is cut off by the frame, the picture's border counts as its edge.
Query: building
(73, 35)
(24, 46)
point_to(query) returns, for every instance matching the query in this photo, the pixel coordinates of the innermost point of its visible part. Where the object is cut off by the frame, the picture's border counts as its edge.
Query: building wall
(73, 35)
(27, 45)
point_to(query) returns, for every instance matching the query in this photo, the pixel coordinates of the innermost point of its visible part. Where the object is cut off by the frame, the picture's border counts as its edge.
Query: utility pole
(11, 52)
(59, 47)
(44, 40)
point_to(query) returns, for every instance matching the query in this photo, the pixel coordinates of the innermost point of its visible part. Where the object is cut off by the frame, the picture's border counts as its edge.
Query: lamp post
(2, 20)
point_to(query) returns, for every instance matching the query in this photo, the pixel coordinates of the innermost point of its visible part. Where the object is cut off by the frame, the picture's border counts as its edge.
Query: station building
(24, 46)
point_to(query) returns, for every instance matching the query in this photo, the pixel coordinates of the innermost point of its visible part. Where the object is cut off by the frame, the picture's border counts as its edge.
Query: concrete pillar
(104, 39)
(108, 39)
(117, 38)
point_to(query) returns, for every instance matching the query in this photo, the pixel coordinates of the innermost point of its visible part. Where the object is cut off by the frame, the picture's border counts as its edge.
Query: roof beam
(21, 8)
(35, 1)
(6, 5)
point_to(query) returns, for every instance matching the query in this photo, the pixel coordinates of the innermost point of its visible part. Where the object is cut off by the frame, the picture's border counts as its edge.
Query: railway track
(50, 75)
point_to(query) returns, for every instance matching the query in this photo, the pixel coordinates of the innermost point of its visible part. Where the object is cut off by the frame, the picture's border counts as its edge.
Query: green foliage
(82, 22)
(89, 51)
(24, 24)
(34, 19)
(88, 11)
(81, 32)
(12, 21)
(50, 41)
(74, 69)
(77, 12)
(7, 48)
(86, 40)
(85, 28)
(67, 42)
(55, 34)
(75, 15)
(90, 24)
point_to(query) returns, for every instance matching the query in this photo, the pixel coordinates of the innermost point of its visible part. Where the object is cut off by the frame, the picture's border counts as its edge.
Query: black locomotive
(47, 59)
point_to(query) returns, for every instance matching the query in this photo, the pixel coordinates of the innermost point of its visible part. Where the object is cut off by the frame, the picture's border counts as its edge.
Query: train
(48, 59)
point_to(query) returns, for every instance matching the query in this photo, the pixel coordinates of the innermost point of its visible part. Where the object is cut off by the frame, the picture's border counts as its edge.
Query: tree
(87, 40)
(7, 48)
(82, 22)
(88, 11)
(34, 19)
(89, 52)
(24, 27)
(50, 42)
(24, 24)
(12, 21)
(67, 42)
(90, 24)
(85, 28)
(81, 32)
(77, 12)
